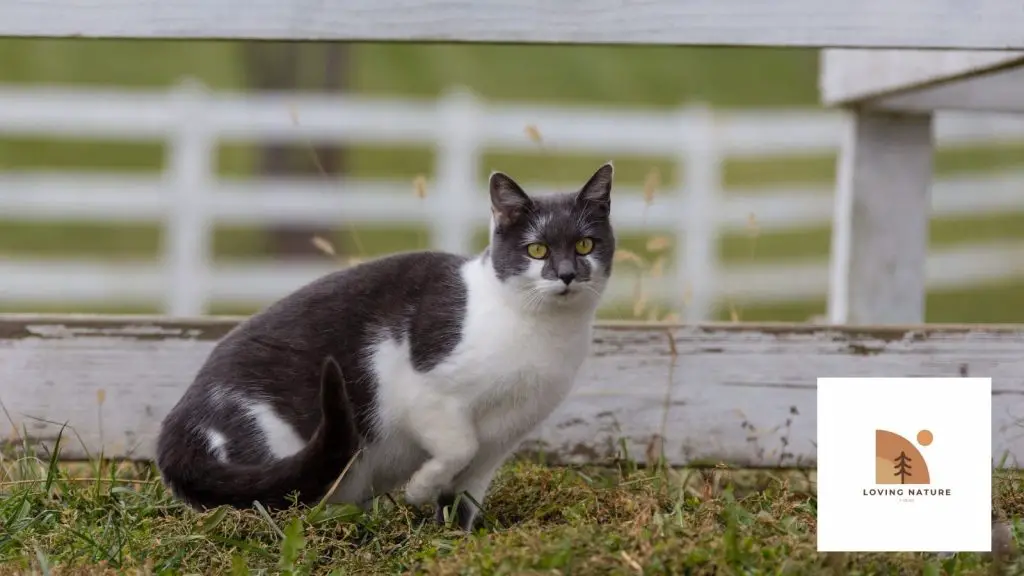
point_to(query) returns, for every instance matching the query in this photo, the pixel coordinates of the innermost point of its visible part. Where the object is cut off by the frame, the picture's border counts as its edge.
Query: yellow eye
(536, 250)
(584, 246)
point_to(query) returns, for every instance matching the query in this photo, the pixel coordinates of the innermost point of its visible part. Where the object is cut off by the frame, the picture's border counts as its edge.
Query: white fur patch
(281, 438)
(597, 273)
(217, 443)
(534, 270)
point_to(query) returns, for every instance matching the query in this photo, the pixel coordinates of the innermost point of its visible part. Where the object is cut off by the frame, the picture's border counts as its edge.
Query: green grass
(631, 76)
(623, 75)
(117, 518)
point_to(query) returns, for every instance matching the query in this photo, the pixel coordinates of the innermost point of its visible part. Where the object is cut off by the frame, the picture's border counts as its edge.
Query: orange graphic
(924, 437)
(898, 461)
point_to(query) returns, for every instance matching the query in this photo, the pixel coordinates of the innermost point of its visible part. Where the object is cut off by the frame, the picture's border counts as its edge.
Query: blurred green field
(662, 76)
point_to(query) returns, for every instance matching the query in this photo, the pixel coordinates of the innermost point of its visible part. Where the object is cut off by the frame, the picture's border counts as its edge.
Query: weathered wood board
(848, 76)
(1000, 91)
(733, 393)
(974, 24)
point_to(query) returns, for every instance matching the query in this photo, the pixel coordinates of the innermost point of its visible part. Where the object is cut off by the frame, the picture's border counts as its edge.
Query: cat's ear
(598, 190)
(508, 200)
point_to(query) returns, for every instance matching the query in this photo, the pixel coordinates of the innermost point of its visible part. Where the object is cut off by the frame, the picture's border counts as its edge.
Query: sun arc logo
(898, 461)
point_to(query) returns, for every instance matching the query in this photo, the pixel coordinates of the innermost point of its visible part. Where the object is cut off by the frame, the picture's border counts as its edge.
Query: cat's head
(553, 250)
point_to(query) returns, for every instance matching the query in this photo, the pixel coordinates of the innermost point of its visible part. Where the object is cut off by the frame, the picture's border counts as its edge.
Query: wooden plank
(978, 24)
(997, 91)
(735, 393)
(849, 76)
(880, 222)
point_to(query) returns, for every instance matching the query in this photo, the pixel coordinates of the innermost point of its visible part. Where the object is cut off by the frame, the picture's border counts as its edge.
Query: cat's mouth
(567, 291)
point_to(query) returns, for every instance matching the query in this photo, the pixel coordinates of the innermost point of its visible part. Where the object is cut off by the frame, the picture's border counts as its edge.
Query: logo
(898, 461)
(916, 452)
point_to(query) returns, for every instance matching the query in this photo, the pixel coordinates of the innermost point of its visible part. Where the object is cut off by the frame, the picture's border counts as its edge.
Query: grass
(108, 517)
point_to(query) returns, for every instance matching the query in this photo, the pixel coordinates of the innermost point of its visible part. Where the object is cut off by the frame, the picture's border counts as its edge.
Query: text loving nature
(907, 492)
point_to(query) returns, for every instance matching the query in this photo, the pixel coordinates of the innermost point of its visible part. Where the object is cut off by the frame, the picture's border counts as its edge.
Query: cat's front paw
(418, 492)
(427, 483)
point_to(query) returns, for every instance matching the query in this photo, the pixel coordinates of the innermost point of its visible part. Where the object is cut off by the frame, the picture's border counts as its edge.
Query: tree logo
(898, 461)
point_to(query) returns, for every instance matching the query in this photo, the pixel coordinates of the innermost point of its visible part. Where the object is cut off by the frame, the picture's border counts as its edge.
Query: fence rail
(188, 197)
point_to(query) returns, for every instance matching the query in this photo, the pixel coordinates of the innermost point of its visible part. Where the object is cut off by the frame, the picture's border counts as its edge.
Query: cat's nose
(567, 277)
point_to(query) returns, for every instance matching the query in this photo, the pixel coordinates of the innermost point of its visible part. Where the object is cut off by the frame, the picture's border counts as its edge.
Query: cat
(432, 366)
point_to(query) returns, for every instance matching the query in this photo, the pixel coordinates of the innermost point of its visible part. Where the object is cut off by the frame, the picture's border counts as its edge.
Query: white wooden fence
(188, 197)
(81, 357)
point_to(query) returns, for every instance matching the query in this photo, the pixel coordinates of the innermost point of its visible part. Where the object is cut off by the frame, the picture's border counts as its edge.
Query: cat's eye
(537, 250)
(584, 246)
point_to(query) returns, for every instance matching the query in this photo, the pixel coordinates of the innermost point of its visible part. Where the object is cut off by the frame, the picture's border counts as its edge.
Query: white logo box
(904, 464)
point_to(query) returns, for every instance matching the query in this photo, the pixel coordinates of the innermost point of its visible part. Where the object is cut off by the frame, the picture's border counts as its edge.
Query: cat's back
(393, 279)
(383, 291)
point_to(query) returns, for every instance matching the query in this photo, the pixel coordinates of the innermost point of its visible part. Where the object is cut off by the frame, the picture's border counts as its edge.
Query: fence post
(697, 259)
(186, 239)
(878, 269)
(457, 163)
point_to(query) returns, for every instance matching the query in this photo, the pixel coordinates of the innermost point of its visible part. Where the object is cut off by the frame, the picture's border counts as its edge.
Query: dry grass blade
(658, 268)
(324, 245)
(672, 342)
(294, 115)
(652, 181)
(533, 133)
(753, 229)
(419, 186)
(15, 436)
(655, 450)
(632, 563)
(419, 189)
(334, 486)
(659, 243)
(623, 255)
(639, 305)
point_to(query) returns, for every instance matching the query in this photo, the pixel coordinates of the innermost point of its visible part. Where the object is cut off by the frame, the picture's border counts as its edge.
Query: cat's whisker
(533, 300)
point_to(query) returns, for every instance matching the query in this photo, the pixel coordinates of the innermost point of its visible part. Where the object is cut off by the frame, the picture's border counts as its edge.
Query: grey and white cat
(436, 365)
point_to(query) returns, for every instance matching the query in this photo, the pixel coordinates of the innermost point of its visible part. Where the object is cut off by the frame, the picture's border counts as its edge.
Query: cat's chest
(512, 373)
(507, 351)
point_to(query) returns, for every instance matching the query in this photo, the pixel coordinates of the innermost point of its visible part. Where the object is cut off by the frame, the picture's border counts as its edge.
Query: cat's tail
(200, 479)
